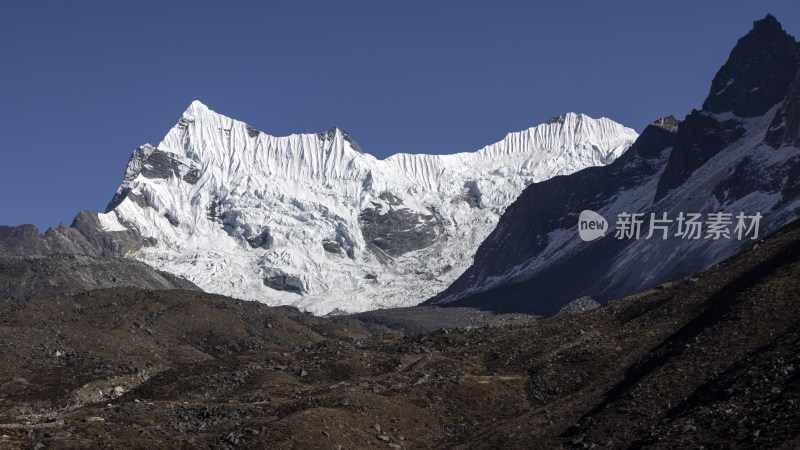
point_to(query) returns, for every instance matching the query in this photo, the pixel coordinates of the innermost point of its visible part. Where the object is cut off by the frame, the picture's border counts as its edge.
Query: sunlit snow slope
(309, 220)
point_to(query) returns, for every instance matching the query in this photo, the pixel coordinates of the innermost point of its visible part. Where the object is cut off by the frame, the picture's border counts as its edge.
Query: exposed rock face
(86, 236)
(262, 240)
(60, 276)
(282, 282)
(150, 162)
(330, 134)
(758, 73)
(579, 304)
(699, 138)
(785, 128)
(332, 247)
(736, 155)
(399, 230)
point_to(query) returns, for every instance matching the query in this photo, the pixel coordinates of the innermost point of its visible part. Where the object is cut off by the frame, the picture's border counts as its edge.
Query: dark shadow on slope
(715, 311)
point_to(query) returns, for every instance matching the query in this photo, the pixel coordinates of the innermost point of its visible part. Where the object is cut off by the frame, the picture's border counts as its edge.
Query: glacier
(312, 221)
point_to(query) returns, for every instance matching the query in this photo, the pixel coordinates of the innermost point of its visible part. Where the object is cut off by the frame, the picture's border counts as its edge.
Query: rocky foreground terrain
(712, 360)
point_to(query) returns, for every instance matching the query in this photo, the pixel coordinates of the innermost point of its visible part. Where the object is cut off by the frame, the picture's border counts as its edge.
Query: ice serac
(313, 221)
(740, 153)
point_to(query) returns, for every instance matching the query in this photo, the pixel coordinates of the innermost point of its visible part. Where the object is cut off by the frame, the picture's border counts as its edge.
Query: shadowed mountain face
(742, 86)
(711, 360)
(739, 154)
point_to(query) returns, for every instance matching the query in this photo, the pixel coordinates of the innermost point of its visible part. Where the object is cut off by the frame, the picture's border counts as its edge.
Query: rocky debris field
(712, 360)
(422, 319)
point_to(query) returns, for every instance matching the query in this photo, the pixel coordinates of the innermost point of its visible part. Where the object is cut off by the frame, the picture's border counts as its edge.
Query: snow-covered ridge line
(310, 220)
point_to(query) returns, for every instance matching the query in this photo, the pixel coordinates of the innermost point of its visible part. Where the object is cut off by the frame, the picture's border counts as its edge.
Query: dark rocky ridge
(61, 276)
(757, 75)
(758, 72)
(83, 237)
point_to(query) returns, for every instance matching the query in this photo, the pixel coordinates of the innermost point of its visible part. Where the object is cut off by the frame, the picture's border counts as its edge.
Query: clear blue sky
(85, 82)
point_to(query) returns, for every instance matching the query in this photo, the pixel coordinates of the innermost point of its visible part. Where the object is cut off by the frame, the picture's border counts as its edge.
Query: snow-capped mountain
(739, 154)
(312, 221)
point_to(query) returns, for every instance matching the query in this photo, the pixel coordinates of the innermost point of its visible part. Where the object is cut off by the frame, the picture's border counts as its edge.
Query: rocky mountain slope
(27, 277)
(711, 360)
(90, 234)
(739, 154)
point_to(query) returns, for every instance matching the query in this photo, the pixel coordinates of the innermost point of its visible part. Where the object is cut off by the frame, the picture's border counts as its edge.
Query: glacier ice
(311, 221)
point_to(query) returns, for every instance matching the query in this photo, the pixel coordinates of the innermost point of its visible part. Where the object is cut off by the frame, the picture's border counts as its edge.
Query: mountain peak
(767, 24)
(196, 108)
(669, 123)
(570, 116)
(327, 135)
(758, 72)
(556, 119)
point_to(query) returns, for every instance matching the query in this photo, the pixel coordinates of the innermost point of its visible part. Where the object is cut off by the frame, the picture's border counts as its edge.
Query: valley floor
(712, 360)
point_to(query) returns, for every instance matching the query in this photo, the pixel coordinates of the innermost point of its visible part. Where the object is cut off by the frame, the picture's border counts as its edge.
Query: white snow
(307, 188)
(724, 88)
(109, 222)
